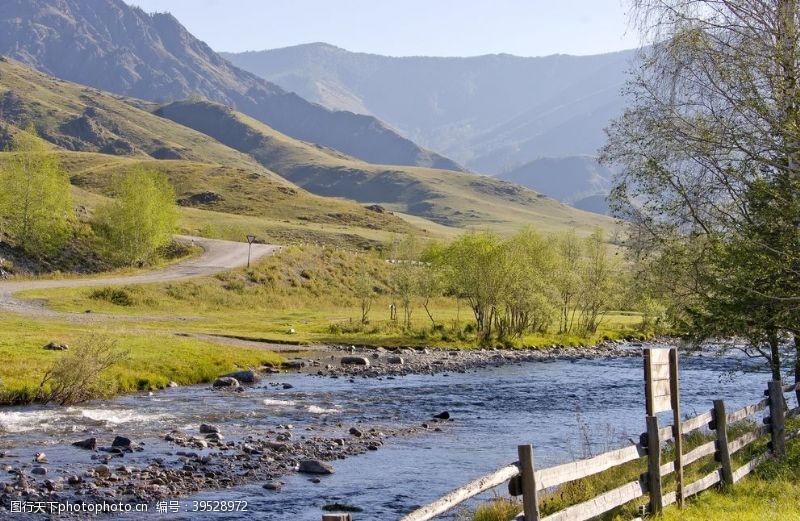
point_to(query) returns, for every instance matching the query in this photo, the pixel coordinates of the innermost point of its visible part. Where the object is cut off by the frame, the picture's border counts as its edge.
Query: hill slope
(445, 197)
(84, 122)
(488, 112)
(118, 48)
(567, 179)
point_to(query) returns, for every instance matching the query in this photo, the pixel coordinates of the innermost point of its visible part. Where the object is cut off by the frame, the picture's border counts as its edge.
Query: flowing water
(564, 408)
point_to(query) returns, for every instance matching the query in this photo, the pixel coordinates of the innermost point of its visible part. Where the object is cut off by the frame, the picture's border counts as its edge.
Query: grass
(770, 492)
(153, 359)
(308, 289)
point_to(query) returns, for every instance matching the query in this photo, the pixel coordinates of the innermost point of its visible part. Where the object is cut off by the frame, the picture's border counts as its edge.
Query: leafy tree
(597, 279)
(567, 278)
(709, 151)
(36, 198)
(141, 219)
(364, 290)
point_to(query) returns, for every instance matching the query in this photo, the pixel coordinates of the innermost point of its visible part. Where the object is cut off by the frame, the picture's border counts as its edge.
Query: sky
(408, 27)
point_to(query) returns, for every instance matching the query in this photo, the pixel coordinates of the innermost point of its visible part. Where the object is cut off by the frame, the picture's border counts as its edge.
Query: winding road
(217, 256)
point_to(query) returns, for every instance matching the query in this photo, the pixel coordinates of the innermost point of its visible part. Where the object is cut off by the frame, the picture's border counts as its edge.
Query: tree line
(37, 210)
(525, 283)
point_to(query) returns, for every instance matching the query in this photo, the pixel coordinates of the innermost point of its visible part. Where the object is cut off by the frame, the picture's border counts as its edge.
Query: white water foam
(116, 417)
(321, 410)
(279, 403)
(13, 422)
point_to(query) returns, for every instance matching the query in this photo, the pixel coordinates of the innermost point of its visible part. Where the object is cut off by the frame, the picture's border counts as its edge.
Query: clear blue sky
(408, 27)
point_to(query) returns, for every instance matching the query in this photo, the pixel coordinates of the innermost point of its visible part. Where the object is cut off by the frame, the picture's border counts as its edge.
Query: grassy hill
(101, 136)
(445, 197)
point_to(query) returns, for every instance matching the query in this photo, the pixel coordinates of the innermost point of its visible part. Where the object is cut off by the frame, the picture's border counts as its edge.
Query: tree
(406, 275)
(364, 290)
(709, 150)
(567, 279)
(141, 219)
(36, 197)
(596, 280)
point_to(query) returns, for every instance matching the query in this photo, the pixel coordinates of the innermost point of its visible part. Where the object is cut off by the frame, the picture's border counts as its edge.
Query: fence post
(530, 498)
(337, 517)
(677, 435)
(654, 465)
(723, 454)
(777, 416)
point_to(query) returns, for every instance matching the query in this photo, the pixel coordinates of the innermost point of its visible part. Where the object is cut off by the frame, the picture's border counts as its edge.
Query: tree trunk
(797, 365)
(775, 355)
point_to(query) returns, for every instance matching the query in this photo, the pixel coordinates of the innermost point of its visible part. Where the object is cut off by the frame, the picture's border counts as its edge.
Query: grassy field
(154, 359)
(770, 492)
(307, 289)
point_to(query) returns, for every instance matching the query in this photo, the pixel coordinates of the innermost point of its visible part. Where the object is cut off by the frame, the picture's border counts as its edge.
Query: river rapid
(566, 408)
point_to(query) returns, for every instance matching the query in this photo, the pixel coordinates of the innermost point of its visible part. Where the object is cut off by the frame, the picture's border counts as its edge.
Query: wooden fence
(525, 480)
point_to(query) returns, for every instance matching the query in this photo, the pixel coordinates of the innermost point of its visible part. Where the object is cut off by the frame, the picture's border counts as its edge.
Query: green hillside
(101, 136)
(445, 197)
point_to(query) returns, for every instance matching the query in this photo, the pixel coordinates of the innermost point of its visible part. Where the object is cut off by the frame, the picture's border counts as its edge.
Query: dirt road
(217, 256)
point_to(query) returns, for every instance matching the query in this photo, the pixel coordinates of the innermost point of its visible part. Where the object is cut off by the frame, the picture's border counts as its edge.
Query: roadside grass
(770, 492)
(153, 360)
(305, 295)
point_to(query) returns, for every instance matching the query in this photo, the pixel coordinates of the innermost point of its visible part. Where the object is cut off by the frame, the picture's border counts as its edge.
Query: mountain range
(118, 48)
(491, 113)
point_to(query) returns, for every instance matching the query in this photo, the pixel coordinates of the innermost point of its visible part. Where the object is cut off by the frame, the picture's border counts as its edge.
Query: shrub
(116, 296)
(77, 375)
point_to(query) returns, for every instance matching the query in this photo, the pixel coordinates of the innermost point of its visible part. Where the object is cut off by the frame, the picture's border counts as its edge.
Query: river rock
(40, 457)
(247, 376)
(173, 384)
(207, 428)
(294, 364)
(121, 442)
(228, 382)
(39, 471)
(102, 470)
(355, 432)
(397, 360)
(313, 466)
(355, 360)
(88, 444)
(442, 415)
(273, 485)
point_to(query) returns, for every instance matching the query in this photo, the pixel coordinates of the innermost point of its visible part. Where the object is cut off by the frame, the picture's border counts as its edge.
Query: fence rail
(529, 483)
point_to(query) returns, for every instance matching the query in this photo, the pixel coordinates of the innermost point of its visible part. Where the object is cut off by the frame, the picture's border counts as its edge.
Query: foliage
(36, 201)
(79, 374)
(708, 151)
(141, 220)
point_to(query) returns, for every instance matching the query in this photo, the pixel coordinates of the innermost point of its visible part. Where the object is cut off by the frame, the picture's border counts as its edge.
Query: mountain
(568, 179)
(448, 198)
(488, 112)
(118, 48)
(100, 136)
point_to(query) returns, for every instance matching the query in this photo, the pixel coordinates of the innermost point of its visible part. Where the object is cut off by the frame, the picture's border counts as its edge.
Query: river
(565, 408)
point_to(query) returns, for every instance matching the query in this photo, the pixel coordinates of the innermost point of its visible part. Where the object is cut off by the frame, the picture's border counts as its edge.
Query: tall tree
(36, 198)
(709, 150)
(141, 219)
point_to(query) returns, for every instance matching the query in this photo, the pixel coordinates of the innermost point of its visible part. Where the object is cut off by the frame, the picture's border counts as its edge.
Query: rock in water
(89, 444)
(206, 428)
(398, 360)
(273, 485)
(226, 382)
(355, 432)
(313, 466)
(121, 442)
(442, 416)
(40, 457)
(355, 360)
(246, 377)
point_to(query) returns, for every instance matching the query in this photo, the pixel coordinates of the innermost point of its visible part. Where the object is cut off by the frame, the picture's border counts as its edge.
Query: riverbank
(290, 416)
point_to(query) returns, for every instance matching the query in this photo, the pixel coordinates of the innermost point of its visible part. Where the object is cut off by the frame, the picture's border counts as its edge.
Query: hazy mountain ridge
(489, 112)
(115, 47)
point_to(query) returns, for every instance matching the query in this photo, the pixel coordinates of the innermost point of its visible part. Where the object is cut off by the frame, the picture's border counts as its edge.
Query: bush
(116, 296)
(77, 375)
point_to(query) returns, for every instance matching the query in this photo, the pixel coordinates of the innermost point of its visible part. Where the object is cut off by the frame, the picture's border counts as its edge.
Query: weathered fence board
(746, 439)
(750, 410)
(697, 422)
(699, 452)
(560, 474)
(601, 504)
(471, 489)
(703, 483)
(748, 467)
